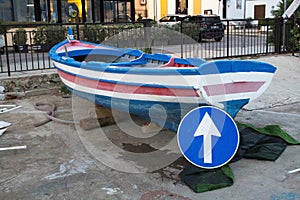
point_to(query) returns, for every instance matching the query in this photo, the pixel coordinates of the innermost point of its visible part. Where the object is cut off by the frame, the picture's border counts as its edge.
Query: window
(23, 11)
(65, 11)
(117, 11)
(44, 9)
(88, 11)
(5, 10)
(97, 10)
(53, 11)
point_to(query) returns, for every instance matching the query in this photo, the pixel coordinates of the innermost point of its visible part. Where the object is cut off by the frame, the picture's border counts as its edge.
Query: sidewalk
(57, 165)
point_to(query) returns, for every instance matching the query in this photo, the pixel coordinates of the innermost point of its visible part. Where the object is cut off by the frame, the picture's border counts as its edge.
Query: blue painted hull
(165, 114)
(167, 90)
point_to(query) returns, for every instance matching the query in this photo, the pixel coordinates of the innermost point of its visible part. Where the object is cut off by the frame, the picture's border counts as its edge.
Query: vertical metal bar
(77, 32)
(14, 56)
(37, 10)
(26, 61)
(284, 27)
(43, 61)
(248, 38)
(1, 63)
(12, 10)
(31, 48)
(267, 37)
(59, 11)
(257, 43)
(83, 11)
(181, 45)
(49, 63)
(101, 11)
(6, 51)
(244, 41)
(278, 37)
(48, 11)
(261, 41)
(227, 24)
(37, 60)
(20, 59)
(93, 10)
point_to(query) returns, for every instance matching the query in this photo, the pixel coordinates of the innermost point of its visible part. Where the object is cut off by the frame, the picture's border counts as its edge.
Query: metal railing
(26, 46)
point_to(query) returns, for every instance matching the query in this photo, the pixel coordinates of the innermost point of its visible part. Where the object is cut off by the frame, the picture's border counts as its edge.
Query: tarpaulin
(256, 143)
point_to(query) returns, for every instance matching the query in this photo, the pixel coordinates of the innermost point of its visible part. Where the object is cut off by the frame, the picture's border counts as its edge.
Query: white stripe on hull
(160, 98)
(133, 96)
(196, 81)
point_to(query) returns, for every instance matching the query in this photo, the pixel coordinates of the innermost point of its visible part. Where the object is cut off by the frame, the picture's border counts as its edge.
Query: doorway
(259, 11)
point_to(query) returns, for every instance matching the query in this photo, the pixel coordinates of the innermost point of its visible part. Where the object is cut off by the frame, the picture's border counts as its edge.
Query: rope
(50, 111)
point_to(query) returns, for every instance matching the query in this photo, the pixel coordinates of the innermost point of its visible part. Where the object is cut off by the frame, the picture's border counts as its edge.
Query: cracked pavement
(57, 165)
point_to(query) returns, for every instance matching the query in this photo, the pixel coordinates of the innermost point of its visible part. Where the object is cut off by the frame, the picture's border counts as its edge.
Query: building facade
(159, 8)
(227, 9)
(63, 11)
(255, 9)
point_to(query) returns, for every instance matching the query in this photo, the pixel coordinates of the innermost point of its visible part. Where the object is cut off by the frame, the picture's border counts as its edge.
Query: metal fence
(26, 47)
(249, 37)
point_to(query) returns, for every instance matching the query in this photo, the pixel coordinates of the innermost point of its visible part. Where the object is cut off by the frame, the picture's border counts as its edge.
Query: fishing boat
(157, 87)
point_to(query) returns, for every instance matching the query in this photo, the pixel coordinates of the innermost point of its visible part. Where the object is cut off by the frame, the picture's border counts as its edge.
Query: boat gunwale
(203, 69)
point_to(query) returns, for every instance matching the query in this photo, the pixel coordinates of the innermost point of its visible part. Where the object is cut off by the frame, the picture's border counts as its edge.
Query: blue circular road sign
(208, 137)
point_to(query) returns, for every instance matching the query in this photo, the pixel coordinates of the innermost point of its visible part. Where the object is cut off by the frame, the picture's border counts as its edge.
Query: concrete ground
(62, 161)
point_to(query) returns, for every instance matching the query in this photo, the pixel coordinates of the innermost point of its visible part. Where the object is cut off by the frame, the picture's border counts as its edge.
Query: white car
(172, 19)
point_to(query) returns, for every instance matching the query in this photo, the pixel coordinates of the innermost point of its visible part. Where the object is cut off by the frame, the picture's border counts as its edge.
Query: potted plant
(19, 40)
(45, 37)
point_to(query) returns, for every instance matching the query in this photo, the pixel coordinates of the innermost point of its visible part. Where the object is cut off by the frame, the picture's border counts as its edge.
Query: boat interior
(130, 58)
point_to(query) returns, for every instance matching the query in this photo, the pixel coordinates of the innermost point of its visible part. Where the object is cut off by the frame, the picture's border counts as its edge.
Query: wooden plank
(91, 123)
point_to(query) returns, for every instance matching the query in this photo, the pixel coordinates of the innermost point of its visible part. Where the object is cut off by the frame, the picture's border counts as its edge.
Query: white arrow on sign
(207, 128)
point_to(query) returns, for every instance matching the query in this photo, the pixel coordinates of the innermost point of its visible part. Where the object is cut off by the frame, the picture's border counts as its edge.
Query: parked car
(211, 26)
(172, 19)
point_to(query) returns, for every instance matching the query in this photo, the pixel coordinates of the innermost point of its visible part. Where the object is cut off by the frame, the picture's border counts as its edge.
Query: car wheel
(218, 39)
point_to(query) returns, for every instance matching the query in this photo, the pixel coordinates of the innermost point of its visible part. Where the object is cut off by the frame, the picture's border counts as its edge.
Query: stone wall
(22, 85)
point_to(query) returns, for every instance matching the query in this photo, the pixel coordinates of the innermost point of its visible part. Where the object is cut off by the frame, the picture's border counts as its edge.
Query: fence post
(147, 33)
(77, 32)
(147, 23)
(227, 24)
(278, 34)
(6, 50)
(267, 36)
(181, 45)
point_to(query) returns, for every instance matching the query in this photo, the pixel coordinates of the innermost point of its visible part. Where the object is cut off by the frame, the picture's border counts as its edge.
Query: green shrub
(20, 36)
(96, 33)
(49, 34)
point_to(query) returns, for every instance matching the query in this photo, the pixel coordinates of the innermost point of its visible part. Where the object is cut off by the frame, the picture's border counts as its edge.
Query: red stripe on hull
(232, 88)
(128, 88)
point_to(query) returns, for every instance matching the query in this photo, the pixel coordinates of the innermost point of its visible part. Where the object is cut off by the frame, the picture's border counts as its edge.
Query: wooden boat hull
(167, 90)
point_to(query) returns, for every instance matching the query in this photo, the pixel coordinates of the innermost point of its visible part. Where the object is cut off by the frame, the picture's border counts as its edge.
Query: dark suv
(211, 26)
